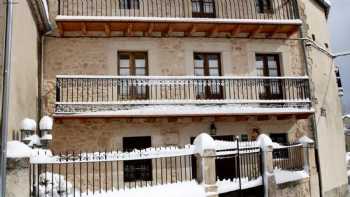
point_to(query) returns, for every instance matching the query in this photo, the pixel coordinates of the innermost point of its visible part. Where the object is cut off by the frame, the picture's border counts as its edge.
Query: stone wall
(299, 188)
(166, 57)
(17, 177)
(106, 133)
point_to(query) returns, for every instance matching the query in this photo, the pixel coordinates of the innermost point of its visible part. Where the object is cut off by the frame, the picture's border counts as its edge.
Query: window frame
(206, 72)
(133, 90)
(138, 174)
(129, 4)
(201, 13)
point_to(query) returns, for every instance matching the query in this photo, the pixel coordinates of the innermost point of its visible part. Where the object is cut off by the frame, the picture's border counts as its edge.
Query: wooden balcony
(162, 18)
(182, 95)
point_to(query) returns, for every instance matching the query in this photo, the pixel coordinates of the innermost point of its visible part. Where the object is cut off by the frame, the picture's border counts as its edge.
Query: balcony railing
(180, 90)
(224, 9)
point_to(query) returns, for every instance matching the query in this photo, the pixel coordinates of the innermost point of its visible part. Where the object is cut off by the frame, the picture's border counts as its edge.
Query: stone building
(126, 74)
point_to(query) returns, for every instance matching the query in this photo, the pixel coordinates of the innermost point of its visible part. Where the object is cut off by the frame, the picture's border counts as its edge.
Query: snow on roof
(17, 149)
(28, 124)
(204, 142)
(191, 110)
(46, 123)
(347, 116)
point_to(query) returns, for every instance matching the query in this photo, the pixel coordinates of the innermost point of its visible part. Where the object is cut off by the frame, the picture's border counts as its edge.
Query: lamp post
(45, 126)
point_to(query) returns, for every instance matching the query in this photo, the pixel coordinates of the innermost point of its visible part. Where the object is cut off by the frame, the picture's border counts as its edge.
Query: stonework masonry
(75, 134)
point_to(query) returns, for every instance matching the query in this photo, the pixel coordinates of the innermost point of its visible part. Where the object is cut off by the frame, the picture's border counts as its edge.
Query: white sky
(339, 22)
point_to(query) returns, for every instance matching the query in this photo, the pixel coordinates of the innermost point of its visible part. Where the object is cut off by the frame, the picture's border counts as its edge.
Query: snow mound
(284, 176)
(305, 140)
(28, 124)
(203, 142)
(264, 141)
(46, 123)
(17, 149)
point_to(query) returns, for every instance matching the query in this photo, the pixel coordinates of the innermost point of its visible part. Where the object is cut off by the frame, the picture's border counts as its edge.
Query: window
(203, 8)
(280, 138)
(129, 64)
(207, 64)
(129, 4)
(137, 170)
(268, 65)
(339, 82)
(264, 6)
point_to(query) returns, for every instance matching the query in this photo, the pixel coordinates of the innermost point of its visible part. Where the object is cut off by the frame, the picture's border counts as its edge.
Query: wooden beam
(263, 118)
(242, 118)
(107, 29)
(60, 29)
(191, 30)
(129, 30)
(293, 31)
(302, 116)
(83, 28)
(235, 31)
(284, 117)
(274, 32)
(168, 30)
(213, 31)
(255, 31)
(149, 29)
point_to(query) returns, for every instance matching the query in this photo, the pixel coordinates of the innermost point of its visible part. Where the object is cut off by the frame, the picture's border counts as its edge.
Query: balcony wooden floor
(142, 26)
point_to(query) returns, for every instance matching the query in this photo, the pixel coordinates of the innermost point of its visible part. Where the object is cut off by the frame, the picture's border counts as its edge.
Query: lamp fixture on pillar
(212, 129)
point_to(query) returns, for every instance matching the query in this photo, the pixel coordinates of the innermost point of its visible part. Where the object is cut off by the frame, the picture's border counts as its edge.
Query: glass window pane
(140, 72)
(140, 63)
(196, 6)
(213, 63)
(124, 71)
(198, 72)
(213, 72)
(208, 6)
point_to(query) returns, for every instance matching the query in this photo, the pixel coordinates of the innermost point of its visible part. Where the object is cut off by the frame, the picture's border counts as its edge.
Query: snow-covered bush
(54, 185)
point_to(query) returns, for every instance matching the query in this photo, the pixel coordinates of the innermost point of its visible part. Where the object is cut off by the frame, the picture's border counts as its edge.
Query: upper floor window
(264, 6)
(203, 8)
(129, 4)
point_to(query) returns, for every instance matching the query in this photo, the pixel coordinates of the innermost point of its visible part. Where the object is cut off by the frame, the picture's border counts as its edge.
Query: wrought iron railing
(227, 9)
(289, 157)
(182, 89)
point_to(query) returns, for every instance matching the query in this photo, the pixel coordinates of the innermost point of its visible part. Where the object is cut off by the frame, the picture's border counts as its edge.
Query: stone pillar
(269, 180)
(17, 177)
(206, 171)
(311, 168)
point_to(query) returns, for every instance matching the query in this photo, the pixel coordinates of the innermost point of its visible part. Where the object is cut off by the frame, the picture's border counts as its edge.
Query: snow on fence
(74, 174)
(289, 157)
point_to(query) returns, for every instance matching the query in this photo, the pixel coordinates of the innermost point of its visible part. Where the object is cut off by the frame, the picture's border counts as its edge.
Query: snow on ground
(16, 149)
(225, 186)
(284, 176)
(184, 189)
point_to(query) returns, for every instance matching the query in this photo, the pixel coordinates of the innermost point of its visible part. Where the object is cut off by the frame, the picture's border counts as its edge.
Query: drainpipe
(313, 118)
(5, 95)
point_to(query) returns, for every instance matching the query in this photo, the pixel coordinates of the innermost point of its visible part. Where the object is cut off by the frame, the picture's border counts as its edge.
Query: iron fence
(228, 9)
(84, 89)
(80, 174)
(289, 157)
(241, 166)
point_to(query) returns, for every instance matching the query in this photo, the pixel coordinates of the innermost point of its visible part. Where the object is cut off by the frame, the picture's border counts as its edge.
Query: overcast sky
(339, 22)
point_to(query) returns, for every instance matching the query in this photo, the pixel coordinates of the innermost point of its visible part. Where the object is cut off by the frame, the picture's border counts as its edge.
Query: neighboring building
(130, 74)
(339, 81)
(346, 121)
(29, 23)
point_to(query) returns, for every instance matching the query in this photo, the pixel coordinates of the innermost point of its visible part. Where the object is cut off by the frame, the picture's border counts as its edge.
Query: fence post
(205, 166)
(310, 165)
(268, 177)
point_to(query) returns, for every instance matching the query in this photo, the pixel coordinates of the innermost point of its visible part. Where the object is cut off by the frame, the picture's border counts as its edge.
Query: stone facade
(91, 134)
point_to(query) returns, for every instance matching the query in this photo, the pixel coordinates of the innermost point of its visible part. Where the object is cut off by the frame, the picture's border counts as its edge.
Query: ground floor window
(137, 170)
